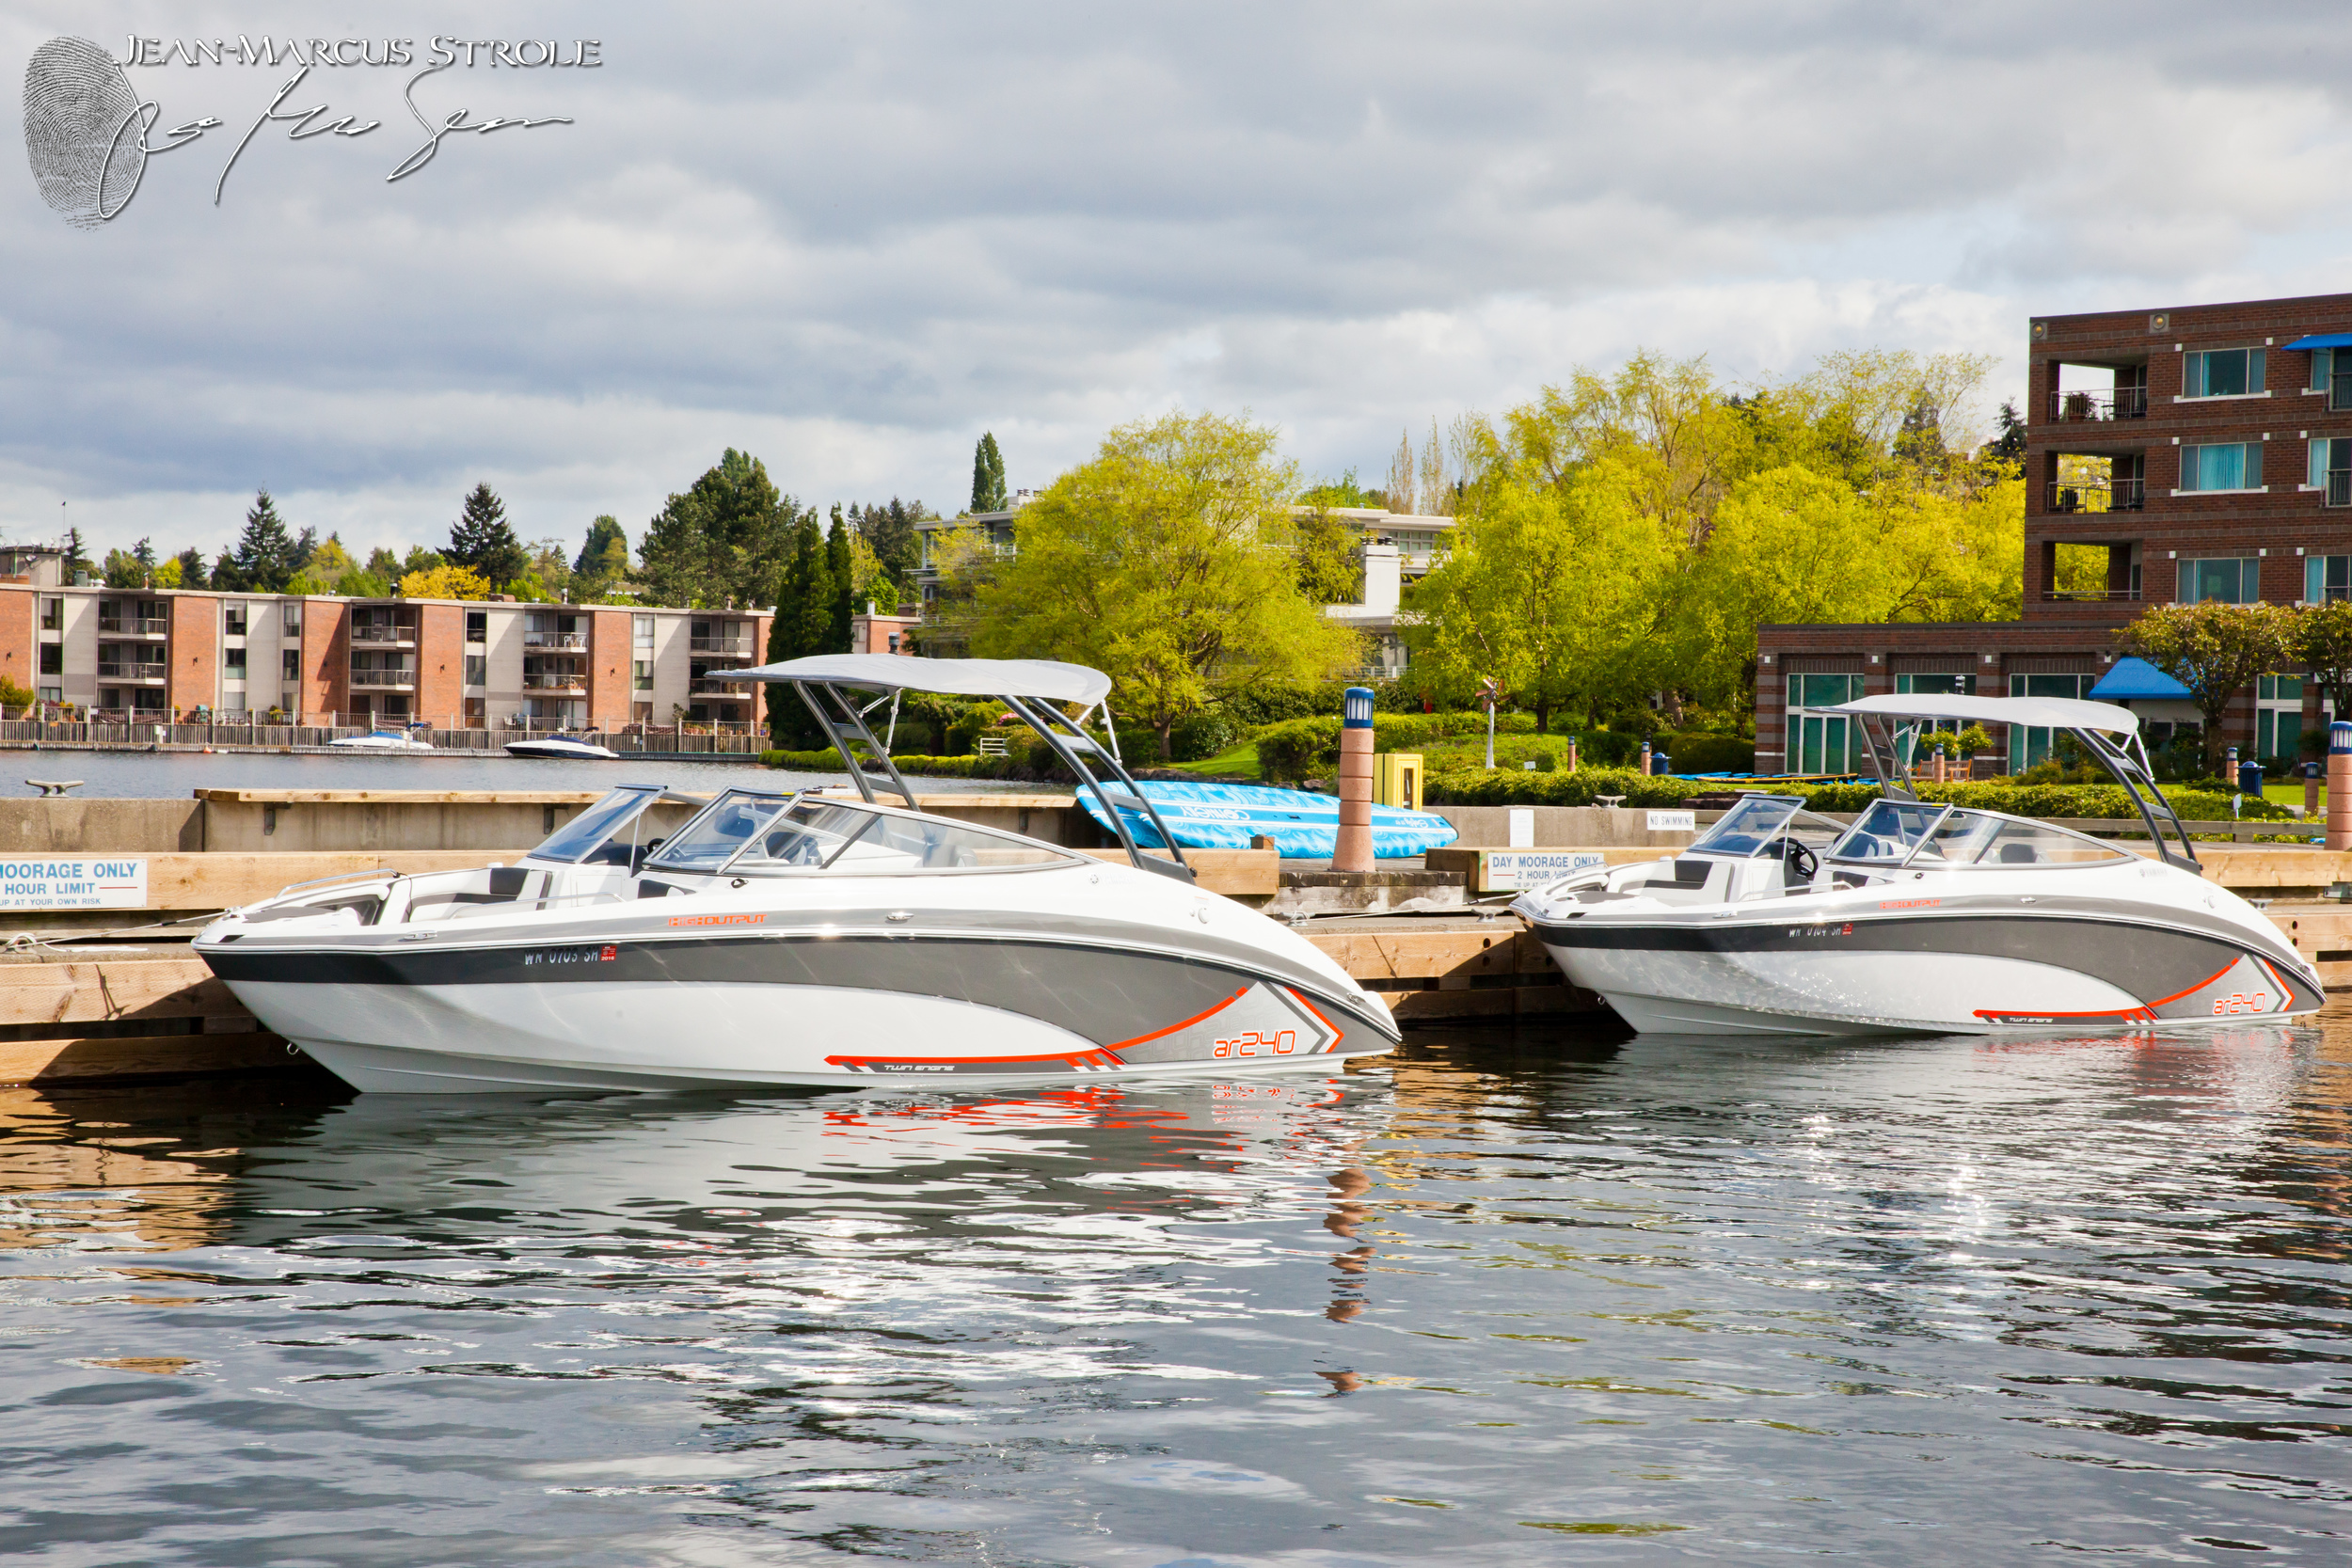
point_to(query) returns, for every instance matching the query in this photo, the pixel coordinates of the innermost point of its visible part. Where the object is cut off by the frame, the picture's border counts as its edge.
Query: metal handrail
(2124, 403)
(2095, 495)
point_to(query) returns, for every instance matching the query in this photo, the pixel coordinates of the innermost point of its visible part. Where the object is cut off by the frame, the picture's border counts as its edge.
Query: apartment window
(477, 627)
(641, 630)
(293, 619)
(233, 618)
(232, 702)
(1956, 684)
(2029, 746)
(53, 694)
(2229, 580)
(2226, 465)
(232, 663)
(2222, 372)
(53, 658)
(640, 675)
(290, 663)
(1820, 742)
(2323, 368)
(2330, 471)
(2278, 715)
(52, 614)
(2326, 577)
(477, 670)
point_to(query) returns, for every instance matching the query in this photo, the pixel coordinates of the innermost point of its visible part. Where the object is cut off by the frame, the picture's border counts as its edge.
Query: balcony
(575, 641)
(557, 681)
(132, 625)
(731, 647)
(134, 673)
(384, 637)
(378, 678)
(2095, 495)
(2339, 487)
(2124, 403)
(2090, 596)
(719, 685)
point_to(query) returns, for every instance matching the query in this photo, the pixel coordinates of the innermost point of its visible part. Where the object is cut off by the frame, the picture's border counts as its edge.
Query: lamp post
(1352, 851)
(1489, 694)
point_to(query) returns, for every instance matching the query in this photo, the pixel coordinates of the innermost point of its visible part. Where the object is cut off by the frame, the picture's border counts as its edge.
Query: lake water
(1503, 1298)
(125, 775)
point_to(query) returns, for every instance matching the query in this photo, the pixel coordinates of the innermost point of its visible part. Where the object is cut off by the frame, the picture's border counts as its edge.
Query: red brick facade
(20, 662)
(2143, 518)
(195, 653)
(326, 684)
(610, 652)
(440, 663)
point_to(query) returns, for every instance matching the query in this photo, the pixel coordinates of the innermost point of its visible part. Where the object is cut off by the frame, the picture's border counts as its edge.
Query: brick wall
(194, 650)
(20, 614)
(610, 652)
(325, 684)
(441, 663)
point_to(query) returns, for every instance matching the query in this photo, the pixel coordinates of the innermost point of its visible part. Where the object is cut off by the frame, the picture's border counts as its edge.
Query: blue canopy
(2324, 340)
(2137, 677)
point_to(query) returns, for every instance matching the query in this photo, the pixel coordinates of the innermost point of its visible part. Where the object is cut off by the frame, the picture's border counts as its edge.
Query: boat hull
(833, 1010)
(1961, 973)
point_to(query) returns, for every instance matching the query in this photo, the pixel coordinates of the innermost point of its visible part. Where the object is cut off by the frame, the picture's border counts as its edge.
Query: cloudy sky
(850, 237)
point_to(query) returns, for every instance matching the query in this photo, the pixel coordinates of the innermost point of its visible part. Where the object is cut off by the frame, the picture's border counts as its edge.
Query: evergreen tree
(2010, 446)
(76, 555)
(191, 573)
(723, 541)
(481, 539)
(802, 626)
(987, 476)
(890, 533)
(264, 557)
(306, 547)
(602, 535)
(224, 575)
(383, 563)
(144, 553)
(841, 572)
(419, 559)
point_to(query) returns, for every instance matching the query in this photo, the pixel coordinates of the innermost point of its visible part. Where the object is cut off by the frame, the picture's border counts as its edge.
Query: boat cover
(962, 677)
(1302, 826)
(2059, 713)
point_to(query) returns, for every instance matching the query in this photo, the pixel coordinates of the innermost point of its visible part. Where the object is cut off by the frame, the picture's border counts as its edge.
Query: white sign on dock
(1674, 821)
(1522, 825)
(68, 882)
(1508, 870)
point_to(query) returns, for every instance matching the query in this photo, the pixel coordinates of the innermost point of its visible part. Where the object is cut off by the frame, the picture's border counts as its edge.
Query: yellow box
(1396, 778)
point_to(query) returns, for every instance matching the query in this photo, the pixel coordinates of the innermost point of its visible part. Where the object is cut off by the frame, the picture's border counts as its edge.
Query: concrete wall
(1563, 826)
(65, 826)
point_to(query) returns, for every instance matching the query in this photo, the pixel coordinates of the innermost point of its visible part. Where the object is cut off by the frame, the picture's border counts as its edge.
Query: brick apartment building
(163, 654)
(2197, 452)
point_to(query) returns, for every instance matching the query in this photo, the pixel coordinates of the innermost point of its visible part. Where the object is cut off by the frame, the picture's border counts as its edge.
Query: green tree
(76, 555)
(191, 573)
(1340, 492)
(603, 558)
(444, 581)
(891, 534)
(2321, 642)
(224, 575)
(1549, 591)
(1330, 565)
(841, 576)
(483, 540)
(723, 541)
(383, 563)
(802, 626)
(987, 476)
(1165, 560)
(419, 559)
(263, 561)
(2216, 650)
(125, 570)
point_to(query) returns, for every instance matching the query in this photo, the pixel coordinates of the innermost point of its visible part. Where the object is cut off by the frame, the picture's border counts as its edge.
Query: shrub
(1709, 753)
(1200, 734)
(1608, 747)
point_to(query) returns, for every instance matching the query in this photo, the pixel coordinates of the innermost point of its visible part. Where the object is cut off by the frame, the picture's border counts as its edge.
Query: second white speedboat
(787, 938)
(1924, 916)
(562, 747)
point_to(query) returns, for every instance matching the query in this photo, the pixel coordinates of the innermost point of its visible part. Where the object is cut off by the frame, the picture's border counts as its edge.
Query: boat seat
(2019, 854)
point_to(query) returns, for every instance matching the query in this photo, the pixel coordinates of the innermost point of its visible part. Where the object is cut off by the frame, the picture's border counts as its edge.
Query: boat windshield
(1760, 824)
(575, 840)
(1979, 838)
(1887, 832)
(720, 830)
(850, 839)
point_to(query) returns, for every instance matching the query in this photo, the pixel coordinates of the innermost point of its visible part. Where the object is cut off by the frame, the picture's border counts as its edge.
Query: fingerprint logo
(82, 131)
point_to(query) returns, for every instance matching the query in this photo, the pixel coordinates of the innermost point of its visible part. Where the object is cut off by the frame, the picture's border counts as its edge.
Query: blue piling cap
(1356, 709)
(2339, 738)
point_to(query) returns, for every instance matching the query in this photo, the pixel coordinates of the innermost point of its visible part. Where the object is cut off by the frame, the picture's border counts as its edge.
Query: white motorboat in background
(774, 937)
(1923, 916)
(383, 740)
(561, 746)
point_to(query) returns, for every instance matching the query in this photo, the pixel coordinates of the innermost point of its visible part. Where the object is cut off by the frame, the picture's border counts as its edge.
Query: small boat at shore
(1922, 916)
(562, 747)
(383, 740)
(658, 942)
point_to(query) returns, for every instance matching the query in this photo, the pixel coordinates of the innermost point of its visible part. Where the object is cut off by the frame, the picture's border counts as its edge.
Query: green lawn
(1242, 759)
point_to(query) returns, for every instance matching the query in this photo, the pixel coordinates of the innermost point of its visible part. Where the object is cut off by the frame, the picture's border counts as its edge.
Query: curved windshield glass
(1887, 832)
(721, 831)
(2000, 841)
(1747, 828)
(577, 839)
(848, 839)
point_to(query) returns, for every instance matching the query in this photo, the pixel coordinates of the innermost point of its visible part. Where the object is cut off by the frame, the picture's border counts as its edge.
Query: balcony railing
(132, 625)
(151, 672)
(719, 685)
(577, 641)
(2124, 403)
(2340, 488)
(382, 679)
(2096, 495)
(2090, 596)
(379, 636)
(555, 682)
(739, 647)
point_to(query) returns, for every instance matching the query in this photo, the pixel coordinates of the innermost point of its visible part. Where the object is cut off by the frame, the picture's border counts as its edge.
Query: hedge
(1501, 788)
(940, 768)
(1309, 748)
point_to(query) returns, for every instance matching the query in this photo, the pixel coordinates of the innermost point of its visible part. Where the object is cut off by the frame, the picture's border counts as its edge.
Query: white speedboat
(786, 938)
(383, 740)
(1923, 916)
(561, 746)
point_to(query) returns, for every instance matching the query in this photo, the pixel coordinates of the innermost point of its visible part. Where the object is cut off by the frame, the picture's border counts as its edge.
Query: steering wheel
(1803, 861)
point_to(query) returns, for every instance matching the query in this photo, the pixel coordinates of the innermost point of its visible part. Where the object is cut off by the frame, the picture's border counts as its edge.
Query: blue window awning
(2137, 677)
(2323, 340)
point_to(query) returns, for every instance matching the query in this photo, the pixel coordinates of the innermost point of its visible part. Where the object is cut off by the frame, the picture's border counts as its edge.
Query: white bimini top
(2057, 713)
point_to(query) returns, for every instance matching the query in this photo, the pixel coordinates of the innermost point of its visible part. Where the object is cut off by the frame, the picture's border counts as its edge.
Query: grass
(1241, 759)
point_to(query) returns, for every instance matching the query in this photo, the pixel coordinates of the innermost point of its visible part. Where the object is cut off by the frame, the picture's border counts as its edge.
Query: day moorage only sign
(68, 882)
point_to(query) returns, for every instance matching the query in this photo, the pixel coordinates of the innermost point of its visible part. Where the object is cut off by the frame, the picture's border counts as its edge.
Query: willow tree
(1166, 561)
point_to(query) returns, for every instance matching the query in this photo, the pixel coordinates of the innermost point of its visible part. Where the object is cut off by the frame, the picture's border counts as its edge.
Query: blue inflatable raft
(1302, 826)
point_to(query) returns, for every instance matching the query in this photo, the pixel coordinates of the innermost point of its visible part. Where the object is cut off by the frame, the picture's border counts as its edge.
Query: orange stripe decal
(2199, 986)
